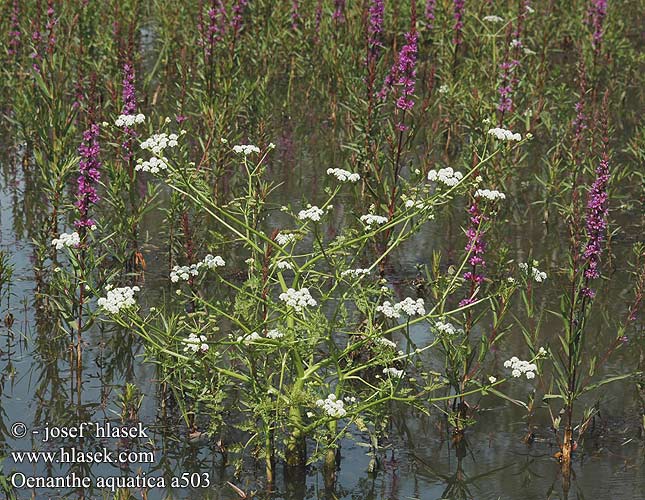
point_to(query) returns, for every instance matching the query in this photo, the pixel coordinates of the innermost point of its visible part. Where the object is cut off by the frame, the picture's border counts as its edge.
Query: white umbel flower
(447, 176)
(274, 334)
(447, 328)
(158, 142)
(184, 273)
(312, 213)
(493, 19)
(519, 368)
(355, 273)
(332, 406)
(283, 239)
(343, 175)
(409, 306)
(129, 120)
(118, 298)
(298, 299)
(247, 149)
(534, 272)
(195, 343)
(249, 338)
(66, 240)
(504, 135)
(154, 165)
(490, 194)
(393, 372)
(370, 220)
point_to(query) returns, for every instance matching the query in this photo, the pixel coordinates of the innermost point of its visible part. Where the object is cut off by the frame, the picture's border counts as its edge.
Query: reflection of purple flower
(402, 75)
(476, 248)
(88, 167)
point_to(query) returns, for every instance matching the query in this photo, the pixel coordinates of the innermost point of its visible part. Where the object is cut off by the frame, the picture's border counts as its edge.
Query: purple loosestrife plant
(88, 167)
(339, 11)
(401, 78)
(129, 108)
(431, 5)
(374, 30)
(476, 247)
(596, 17)
(295, 14)
(318, 19)
(459, 6)
(51, 26)
(237, 20)
(14, 30)
(596, 223)
(508, 69)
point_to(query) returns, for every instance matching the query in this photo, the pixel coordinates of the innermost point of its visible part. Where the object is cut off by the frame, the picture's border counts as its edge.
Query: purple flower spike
(596, 17)
(14, 30)
(402, 76)
(459, 6)
(88, 167)
(596, 223)
(430, 16)
(339, 11)
(476, 248)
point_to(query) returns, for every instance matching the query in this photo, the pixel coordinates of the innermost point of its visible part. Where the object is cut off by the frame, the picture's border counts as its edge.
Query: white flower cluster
(493, 19)
(118, 298)
(185, 272)
(213, 261)
(312, 213)
(355, 273)
(284, 265)
(502, 134)
(247, 149)
(195, 343)
(538, 276)
(283, 239)
(274, 334)
(447, 328)
(343, 175)
(520, 367)
(66, 240)
(444, 89)
(385, 342)
(411, 203)
(409, 306)
(249, 338)
(490, 194)
(446, 176)
(129, 120)
(332, 406)
(154, 165)
(370, 219)
(298, 299)
(393, 372)
(412, 307)
(158, 142)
